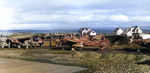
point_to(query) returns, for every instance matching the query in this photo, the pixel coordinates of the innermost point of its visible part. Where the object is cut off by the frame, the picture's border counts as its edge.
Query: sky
(72, 14)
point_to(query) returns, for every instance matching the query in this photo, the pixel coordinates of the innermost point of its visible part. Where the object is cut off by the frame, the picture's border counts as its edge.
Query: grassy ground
(124, 46)
(97, 63)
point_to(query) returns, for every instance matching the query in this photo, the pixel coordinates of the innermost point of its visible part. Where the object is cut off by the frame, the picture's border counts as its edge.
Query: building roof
(116, 29)
(81, 29)
(135, 27)
(125, 32)
(91, 32)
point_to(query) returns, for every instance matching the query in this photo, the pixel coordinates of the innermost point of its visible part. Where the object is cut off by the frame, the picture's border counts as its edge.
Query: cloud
(5, 15)
(24, 26)
(76, 13)
(140, 18)
(122, 18)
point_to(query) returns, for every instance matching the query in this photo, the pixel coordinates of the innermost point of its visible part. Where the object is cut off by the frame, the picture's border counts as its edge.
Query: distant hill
(146, 31)
(108, 30)
(146, 27)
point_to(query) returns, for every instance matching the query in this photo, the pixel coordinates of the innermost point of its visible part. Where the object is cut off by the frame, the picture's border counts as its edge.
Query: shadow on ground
(135, 50)
(145, 62)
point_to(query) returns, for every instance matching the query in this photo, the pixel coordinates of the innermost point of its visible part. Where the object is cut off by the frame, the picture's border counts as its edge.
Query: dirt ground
(20, 66)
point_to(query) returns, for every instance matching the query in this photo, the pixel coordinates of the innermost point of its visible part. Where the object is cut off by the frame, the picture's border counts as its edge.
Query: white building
(136, 29)
(132, 30)
(86, 31)
(91, 33)
(127, 32)
(118, 31)
(144, 36)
